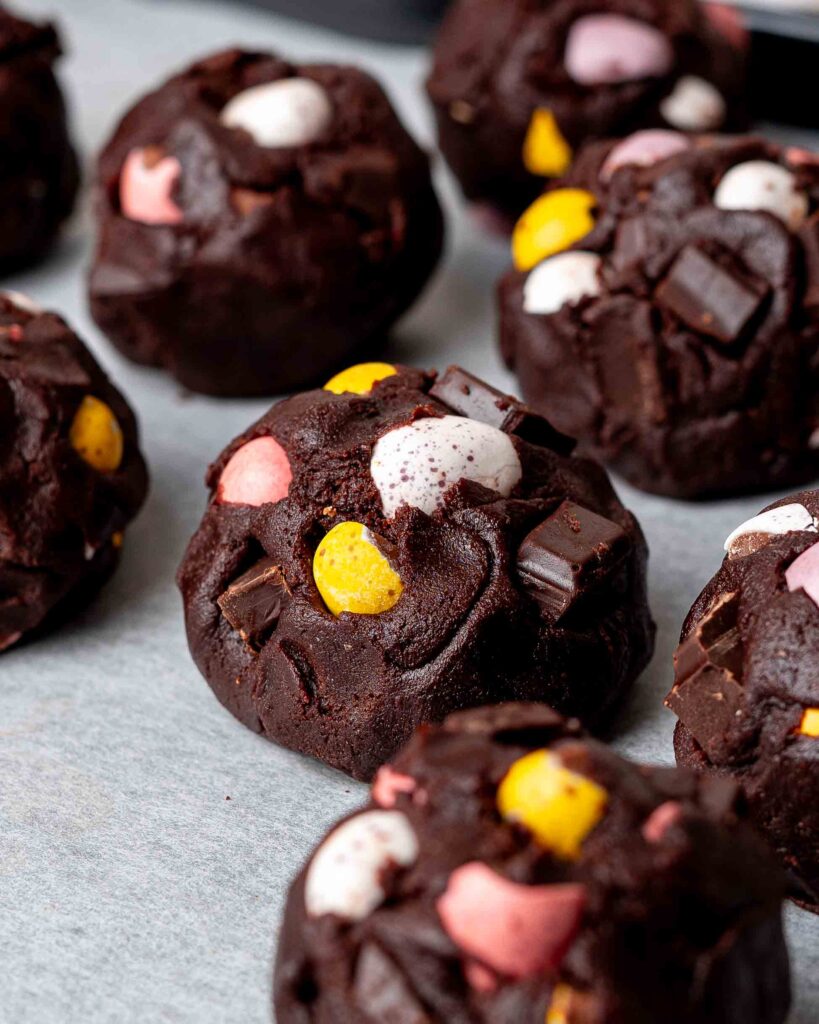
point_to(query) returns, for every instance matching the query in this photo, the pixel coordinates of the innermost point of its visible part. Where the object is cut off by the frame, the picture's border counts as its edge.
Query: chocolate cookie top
(71, 474)
(292, 192)
(508, 869)
(374, 556)
(676, 283)
(519, 85)
(747, 683)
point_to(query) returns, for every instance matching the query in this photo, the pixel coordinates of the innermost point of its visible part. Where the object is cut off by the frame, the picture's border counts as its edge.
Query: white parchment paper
(146, 839)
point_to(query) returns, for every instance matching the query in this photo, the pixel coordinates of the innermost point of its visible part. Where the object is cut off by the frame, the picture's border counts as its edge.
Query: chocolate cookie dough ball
(38, 168)
(664, 309)
(518, 85)
(260, 222)
(394, 547)
(71, 474)
(747, 681)
(508, 870)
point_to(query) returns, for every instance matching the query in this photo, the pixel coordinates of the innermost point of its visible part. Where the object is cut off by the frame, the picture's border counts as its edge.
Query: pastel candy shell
(352, 574)
(762, 185)
(803, 574)
(389, 785)
(279, 115)
(517, 930)
(694, 105)
(752, 535)
(146, 188)
(561, 281)
(346, 875)
(416, 465)
(96, 435)
(552, 224)
(605, 49)
(545, 151)
(258, 473)
(665, 817)
(360, 379)
(644, 149)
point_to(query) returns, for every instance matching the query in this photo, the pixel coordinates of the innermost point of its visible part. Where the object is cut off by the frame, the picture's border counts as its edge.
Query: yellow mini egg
(96, 436)
(552, 224)
(558, 806)
(360, 379)
(810, 723)
(560, 1006)
(545, 151)
(351, 573)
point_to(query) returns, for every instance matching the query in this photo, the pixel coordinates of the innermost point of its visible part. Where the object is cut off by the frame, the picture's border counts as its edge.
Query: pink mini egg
(146, 185)
(804, 574)
(644, 149)
(389, 785)
(661, 820)
(604, 49)
(258, 473)
(517, 930)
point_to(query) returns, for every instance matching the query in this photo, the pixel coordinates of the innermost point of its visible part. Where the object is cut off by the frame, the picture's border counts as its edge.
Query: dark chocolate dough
(746, 671)
(694, 371)
(681, 919)
(497, 61)
(473, 625)
(286, 260)
(39, 174)
(61, 520)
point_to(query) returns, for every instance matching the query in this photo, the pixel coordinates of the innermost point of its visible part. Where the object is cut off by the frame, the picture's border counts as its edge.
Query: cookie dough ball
(747, 683)
(518, 85)
(260, 222)
(394, 547)
(39, 176)
(509, 870)
(664, 309)
(71, 474)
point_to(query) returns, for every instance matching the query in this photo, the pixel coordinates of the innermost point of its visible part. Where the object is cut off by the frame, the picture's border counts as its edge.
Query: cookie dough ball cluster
(40, 173)
(507, 869)
(71, 474)
(747, 684)
(664, 309)
(517, 86)
(393, 547)
(259, 222)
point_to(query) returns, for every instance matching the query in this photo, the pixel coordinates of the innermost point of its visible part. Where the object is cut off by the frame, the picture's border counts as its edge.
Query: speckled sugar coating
(61, 518)
(669, 911)
(692, 369)
(768, 658)
(246, 268)
(497, 62)
(40, 172)
(465, 630)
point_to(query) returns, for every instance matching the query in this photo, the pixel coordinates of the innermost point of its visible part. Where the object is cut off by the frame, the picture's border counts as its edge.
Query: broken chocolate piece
(709, 298)
(468, 396)
(253, 603)
(568, 555)
(708, 697)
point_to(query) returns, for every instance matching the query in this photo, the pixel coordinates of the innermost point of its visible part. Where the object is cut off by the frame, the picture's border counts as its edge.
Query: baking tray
(146, 839)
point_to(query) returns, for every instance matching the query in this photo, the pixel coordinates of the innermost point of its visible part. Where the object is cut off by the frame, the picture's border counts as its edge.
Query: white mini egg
(762, 185)
(749, 537)
(563, 280)
(345, 876)
(416, 465)
(290, 112)
(694, 105)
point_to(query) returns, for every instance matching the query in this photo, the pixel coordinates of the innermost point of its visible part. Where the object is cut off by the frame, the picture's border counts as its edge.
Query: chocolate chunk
(708, 696)
(708, 298)
(468, 396)
(568, 555)
(253, 603)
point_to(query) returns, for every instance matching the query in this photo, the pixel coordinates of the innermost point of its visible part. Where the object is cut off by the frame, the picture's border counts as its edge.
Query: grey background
(146, 839)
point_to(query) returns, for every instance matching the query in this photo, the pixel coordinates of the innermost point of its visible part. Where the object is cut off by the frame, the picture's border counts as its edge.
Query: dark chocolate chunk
(468, 396)
(253, 603)
(708, 298)
(708, 696)
(568, 555)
